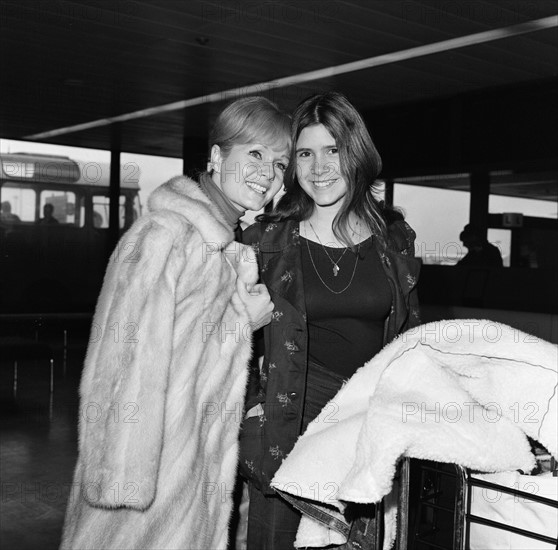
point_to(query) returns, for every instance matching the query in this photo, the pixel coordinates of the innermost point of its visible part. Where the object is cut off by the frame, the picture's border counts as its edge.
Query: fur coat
(163, 385)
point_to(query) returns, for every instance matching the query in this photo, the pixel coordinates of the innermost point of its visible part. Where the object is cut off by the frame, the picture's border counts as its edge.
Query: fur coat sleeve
(128, 361)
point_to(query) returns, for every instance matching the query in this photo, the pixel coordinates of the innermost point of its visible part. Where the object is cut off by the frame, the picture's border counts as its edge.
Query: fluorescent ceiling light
(403, 55)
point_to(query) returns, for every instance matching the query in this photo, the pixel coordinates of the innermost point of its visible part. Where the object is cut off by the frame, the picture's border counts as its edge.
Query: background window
(64, 204)
(101, 206)
(101, 211)
(437, 215)
(532, 194)
(529, 237)
(147, 172)
(498, 204)
(22, 201)
(502, 239)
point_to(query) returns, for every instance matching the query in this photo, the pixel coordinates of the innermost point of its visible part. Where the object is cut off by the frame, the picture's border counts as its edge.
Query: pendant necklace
(335, 271)
(335, 265)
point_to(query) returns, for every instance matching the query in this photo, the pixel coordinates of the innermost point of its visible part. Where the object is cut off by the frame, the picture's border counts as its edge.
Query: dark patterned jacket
(279, 384)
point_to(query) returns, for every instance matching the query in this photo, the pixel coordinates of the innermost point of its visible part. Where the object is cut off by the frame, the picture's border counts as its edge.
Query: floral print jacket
(279, 383)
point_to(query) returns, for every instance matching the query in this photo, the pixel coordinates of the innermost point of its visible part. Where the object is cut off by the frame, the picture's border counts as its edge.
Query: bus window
(63, 203)
(21, 202)
(101, 211)
(122, 212)
(80, 212)
(137, 208)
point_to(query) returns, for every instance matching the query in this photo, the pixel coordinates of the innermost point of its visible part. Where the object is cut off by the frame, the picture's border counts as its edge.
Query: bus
(54, 241)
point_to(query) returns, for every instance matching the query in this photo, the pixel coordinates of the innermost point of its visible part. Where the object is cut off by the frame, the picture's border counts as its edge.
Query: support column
(480, 191)
(388, 195)
(114, 192)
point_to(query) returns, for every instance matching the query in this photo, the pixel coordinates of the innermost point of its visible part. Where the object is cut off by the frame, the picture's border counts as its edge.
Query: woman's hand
(258, 303)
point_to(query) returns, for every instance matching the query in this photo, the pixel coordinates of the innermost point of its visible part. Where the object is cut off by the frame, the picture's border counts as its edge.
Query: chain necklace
(335, 265)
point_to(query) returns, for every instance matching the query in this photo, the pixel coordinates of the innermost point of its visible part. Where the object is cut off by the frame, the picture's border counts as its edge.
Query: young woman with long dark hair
(341, 274)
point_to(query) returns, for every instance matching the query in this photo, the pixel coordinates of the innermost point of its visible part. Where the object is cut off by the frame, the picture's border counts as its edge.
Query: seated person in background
(6, 215)
(481, 252)
(48, 214)
(98, 219)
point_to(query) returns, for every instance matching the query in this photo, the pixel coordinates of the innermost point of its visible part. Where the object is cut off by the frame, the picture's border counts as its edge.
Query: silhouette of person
(97, 219)
(6, 215)
(480, 251)
(48, 214)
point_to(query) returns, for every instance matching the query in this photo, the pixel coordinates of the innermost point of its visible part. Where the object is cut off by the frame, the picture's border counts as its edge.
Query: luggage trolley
(522, 500)
(454, 508)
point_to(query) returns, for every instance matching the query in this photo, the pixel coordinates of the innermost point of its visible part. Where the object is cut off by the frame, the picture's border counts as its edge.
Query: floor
(38, 435)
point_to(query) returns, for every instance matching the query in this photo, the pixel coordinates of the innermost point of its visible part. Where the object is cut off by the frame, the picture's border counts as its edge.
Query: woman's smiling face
(318, 166)
(251, 174)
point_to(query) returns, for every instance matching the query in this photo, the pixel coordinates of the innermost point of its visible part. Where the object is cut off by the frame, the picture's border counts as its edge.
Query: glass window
(63, 207)
(531, 194)
(523, 207)
(146, 172)
(80, 213)
(18, 204)
(498, 204)
(502, 239)
(122, 212)
(136, 208)
(100, 211)
(437, 214)
(73, 261)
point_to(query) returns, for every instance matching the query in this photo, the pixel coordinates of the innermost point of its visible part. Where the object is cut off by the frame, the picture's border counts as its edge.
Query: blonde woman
(161, 401)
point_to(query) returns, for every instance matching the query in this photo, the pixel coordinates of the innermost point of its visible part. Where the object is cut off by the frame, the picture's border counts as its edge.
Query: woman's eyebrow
(268, 147)
(330, 146)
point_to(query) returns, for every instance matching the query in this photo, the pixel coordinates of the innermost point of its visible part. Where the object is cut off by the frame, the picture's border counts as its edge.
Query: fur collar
(184, 196)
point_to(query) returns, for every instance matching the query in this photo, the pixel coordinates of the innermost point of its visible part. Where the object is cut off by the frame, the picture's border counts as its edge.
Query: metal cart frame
(437, 480)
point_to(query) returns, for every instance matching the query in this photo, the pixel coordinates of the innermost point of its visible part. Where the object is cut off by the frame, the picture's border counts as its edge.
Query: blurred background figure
(6, 215)
(481, 252)
(98, 220)
(48, 215)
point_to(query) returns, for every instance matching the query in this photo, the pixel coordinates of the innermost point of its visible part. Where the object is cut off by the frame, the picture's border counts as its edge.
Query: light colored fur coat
(163, 385)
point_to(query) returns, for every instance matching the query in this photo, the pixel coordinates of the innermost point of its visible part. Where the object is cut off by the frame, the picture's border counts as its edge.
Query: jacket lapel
(280, 253)
(402, 273)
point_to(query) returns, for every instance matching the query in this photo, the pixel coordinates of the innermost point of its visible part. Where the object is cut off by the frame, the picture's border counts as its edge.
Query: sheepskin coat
(163, 385)
(448, 391)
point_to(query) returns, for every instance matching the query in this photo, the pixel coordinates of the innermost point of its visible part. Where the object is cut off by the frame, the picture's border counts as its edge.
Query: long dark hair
(360, 164)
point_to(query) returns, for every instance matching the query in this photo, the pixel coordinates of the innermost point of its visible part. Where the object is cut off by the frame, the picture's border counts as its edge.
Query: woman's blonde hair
(249, 120)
